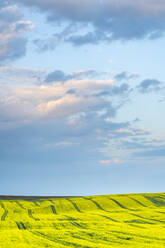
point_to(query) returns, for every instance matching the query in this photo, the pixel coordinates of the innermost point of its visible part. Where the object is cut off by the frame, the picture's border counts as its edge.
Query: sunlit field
(133, 220)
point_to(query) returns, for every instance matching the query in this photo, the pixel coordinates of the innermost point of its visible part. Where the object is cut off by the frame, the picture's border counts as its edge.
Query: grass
(131, 220)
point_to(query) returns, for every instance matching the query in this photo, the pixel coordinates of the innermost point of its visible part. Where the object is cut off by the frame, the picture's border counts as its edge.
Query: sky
(82, 97)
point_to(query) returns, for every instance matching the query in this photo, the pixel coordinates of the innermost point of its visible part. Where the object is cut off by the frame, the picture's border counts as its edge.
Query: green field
(132, 220)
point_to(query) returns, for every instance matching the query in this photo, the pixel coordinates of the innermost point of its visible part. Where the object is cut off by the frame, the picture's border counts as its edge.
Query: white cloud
(12, 29)
(66, 106)
(31, 102)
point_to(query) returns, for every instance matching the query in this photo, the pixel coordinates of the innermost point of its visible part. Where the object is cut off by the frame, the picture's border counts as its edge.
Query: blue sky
(82, 97)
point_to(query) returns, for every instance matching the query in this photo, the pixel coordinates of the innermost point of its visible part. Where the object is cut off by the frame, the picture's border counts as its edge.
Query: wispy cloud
(111, 162)
(149, 85)
(125, 76)
(60, 76)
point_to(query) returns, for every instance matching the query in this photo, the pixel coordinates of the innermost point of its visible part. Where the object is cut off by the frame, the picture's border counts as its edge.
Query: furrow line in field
(4, 215)
(93, 237)
(31, 215)
(74, 223)
(137, 226)
(160, 221)
(109, 218)
(74, 204)
(53, 209)
(95, 203)
(121, 205)
(137, 201)
(157, 202)
(19, 204)
(21, 226)
(138, 235)
(36, 203)
(59, 241)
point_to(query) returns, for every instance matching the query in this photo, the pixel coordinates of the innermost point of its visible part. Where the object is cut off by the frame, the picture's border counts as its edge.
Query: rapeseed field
(130, 220)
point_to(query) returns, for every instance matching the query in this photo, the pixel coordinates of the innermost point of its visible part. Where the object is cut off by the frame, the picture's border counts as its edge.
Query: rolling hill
(130, 220)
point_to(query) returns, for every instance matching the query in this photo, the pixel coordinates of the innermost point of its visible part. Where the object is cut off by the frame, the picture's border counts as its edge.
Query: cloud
(102, 87)
(117, 161)
(135, 145)
(159, 139)
(122, 90)
(57, 76)
(60, 76)
(105, 162)
(153, 152)
(77, 109)
(128, 132)
(46, 119)
(66, 106)
(12, 75)
(64, 143)
(125, 76)
(149, 85)
(12, 29)
(57, 101)
(126, 140)
(59, 144)
(92, 22)
(108, 162)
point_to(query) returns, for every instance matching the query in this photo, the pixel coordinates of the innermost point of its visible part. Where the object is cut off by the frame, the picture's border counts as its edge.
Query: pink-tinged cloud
(117, 161)
(112, 161)
(105, 161)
